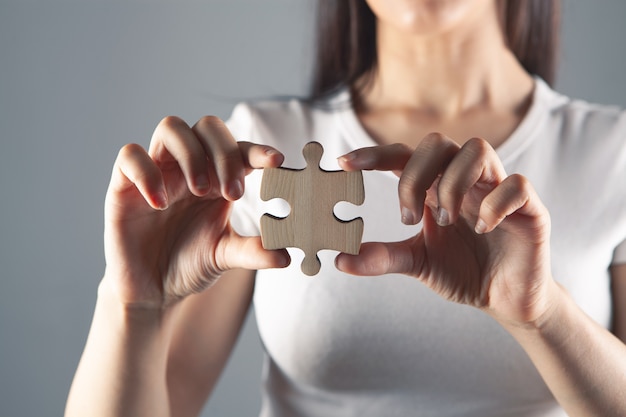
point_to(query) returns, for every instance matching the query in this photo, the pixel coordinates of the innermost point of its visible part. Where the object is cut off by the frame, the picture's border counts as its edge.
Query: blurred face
(428, 17)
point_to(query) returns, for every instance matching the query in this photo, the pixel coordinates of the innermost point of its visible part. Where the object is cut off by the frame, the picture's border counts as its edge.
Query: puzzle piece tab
(312, 194)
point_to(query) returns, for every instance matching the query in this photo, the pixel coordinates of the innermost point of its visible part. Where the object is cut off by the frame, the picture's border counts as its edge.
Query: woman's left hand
(485, 235)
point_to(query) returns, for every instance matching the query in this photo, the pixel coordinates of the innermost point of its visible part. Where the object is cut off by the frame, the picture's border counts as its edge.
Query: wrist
(538, 313)
(124, 364)
(553, 309)
(130, 330)
(133, 288)
(131, 312)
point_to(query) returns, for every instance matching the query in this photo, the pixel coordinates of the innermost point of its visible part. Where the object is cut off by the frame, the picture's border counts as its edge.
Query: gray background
(79, 78)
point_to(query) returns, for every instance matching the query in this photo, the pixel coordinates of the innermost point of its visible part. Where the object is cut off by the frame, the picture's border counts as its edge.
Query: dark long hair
(346, 40)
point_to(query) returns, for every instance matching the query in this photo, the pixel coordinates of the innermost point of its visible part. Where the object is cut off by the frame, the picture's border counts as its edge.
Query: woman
(504, 263)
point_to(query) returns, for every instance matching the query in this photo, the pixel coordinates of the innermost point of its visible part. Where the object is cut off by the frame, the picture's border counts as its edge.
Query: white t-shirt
(339, 345)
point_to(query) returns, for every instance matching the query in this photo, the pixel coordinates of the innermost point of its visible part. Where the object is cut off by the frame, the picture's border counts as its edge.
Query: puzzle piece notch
(312, 194)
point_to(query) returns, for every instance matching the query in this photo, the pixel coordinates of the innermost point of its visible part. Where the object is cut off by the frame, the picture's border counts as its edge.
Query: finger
(475, 163)
(248, 253)
(382, 158)
(135, 168)
(515, 195)
(174, 138)
(223, 152)
(429, 160)
(259, 156)
(376, 258)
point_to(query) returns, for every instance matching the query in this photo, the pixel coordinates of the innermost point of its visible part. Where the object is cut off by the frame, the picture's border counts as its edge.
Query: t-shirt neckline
(520, 138)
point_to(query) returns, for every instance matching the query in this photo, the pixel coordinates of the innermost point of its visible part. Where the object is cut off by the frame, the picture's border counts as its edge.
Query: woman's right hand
(167, 229)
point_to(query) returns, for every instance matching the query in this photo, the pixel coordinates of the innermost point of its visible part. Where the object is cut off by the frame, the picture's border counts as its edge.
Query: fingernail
(271, 151)
(235, 189)
(285, 260)
(481, 227)
(348, 157)
(407, 216)
(443, 218)
(202, 182)
(160, 200)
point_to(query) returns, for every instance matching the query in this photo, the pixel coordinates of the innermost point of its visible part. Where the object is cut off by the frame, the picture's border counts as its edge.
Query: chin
(426, 17)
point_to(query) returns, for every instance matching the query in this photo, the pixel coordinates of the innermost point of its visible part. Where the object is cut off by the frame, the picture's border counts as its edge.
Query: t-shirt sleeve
(619, 255)
(244, 217)
(240, 122)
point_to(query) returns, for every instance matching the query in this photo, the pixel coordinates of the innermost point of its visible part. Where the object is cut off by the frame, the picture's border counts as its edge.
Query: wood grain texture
(312, 194)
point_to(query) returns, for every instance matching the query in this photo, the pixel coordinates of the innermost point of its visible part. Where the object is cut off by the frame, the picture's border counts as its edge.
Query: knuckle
(449, 188)
(409, 188)
(520, 182)
(437, 142)
(478, 143)
(129, 151)
(171, 123)
(489, 208)
(210, 122)
(401, 149)
(435, 138)
(478, 146)
(408, 181)
(230, 158)
(189, 158)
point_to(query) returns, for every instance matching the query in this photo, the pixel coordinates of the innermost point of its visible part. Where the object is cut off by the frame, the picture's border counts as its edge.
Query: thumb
(248, 253)
(377, 258)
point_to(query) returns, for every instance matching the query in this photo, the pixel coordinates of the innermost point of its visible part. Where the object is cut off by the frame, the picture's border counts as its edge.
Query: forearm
(122, 370)
(583, 364)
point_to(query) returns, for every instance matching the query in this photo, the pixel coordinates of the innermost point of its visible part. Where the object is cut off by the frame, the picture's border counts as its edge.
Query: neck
(448, 74)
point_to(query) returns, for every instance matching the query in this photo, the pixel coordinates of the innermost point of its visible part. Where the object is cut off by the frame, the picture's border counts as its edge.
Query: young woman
(500, 250)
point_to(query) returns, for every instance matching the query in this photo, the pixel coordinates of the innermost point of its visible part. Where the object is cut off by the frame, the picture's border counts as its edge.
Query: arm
(167, 239)
(485, 242)
(583, 364)
(208, 326)
(141, 363)
(122, 367)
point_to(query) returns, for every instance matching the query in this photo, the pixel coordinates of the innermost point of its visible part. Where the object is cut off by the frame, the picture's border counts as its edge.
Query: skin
(179, 280)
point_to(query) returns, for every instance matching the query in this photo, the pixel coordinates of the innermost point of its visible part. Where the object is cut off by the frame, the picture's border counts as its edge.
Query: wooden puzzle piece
(312, 194)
